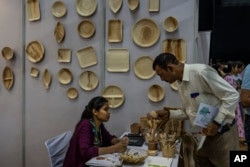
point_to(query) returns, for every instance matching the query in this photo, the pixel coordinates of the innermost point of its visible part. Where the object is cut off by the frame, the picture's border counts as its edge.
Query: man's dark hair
(163, 59)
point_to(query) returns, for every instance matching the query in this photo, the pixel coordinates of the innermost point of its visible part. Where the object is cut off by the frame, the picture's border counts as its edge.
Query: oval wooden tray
(8, 78)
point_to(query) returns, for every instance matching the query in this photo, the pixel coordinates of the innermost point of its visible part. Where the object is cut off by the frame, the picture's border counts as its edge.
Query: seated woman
(90, 137)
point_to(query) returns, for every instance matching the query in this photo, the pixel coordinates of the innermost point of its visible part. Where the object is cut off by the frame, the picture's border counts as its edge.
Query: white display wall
(30, 114)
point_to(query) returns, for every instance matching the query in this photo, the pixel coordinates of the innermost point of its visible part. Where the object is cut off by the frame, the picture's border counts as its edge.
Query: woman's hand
(120, 147)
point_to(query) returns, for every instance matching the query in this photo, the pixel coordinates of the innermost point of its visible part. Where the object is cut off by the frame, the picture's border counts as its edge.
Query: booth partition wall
(66, 52)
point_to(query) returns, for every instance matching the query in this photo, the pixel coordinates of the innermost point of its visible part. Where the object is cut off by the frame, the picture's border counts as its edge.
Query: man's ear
(171, 67)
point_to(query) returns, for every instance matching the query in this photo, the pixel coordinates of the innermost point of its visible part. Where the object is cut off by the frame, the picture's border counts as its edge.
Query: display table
(174, 160)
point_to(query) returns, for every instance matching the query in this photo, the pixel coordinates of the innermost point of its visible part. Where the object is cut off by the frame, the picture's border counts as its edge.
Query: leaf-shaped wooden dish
(72, 93)
(86, 28)
(86, 7)
(34, 72)
(47, 78)
(65, 76)
(64, 55)
(133, 4)
(88, 80)
(7, 53)
(58, 9)
(115, 5)
(8, 78)
(59, 32)
(115, 96)
(155, 93)
(35, 51)
(115, 30)
(86, 57)
(33, 10)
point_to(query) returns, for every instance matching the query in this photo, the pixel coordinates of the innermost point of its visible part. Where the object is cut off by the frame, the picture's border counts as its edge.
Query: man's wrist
(216, 123)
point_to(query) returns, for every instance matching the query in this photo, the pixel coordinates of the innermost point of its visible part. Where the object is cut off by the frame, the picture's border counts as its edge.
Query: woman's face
(103, 113)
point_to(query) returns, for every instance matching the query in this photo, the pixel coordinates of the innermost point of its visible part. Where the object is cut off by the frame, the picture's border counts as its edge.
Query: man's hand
(211, 129)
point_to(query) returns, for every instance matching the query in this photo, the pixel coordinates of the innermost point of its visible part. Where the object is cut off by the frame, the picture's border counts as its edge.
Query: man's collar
(186, 71)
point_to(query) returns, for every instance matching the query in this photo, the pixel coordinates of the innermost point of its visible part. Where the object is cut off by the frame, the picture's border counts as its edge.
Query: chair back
(57, 148)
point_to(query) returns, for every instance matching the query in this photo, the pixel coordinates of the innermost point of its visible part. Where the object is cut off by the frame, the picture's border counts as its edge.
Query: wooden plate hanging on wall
(170, 24)
(143, 67)
(33, 10)
(117, 60)
(155, 93)
(72, 93)
(65, 76)
(64, 55)
(47, 78)
(133, 4)
(115, 5)
(59, 32)
(7, 53)
(88, 80)
(175, 46)
(35, 51)
(86, 7)
(58, 9)
(86, 29)
(115, 33)
(86, 57)
(145, 32)
(34, 72)
(8, 78)
(115, 96)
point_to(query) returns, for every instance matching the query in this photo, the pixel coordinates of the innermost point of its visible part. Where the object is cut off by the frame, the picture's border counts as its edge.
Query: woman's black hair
(95, 103)
(163, 59)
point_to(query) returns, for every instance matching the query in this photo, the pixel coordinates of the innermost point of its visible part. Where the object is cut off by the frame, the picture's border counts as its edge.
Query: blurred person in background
(229, 77)
(245, 101)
